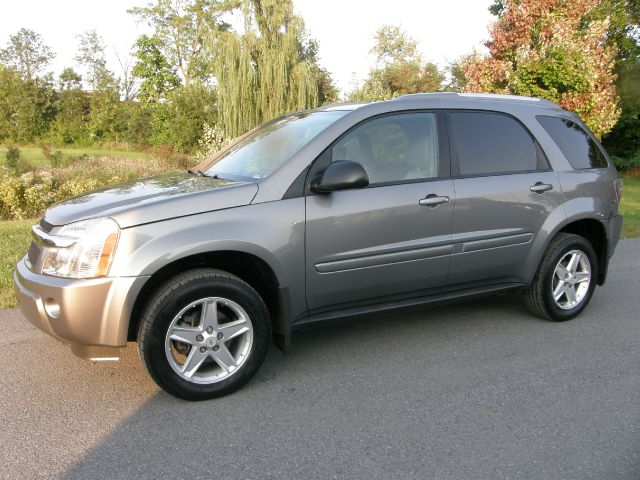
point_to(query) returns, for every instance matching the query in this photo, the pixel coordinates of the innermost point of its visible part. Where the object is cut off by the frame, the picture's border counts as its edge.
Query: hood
(153, 199)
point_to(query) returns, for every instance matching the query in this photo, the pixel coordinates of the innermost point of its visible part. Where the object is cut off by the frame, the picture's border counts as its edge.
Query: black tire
(178, 293)
(538, 298)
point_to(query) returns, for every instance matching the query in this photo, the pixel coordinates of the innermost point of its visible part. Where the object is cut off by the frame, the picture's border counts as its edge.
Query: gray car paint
(162, 226)
(154, 199)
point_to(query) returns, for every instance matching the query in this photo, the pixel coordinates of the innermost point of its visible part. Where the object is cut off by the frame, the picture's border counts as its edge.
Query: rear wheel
(565, 280)
(204, 334)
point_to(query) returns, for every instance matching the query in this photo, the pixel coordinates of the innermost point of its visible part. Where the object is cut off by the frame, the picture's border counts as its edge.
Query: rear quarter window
(575, 143)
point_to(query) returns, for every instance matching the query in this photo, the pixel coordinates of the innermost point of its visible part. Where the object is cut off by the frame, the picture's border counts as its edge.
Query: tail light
(618, 187)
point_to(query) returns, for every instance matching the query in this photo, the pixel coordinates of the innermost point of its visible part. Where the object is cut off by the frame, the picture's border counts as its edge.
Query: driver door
(391, 239)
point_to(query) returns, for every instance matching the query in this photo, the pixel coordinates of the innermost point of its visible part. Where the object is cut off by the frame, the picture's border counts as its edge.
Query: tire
(196, 361)
(539, 297)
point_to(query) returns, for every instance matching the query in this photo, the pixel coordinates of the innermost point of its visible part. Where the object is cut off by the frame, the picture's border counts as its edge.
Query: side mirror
(340, 175)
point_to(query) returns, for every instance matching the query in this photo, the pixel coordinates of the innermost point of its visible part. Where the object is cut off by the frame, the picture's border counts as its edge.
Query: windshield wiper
(200, 173)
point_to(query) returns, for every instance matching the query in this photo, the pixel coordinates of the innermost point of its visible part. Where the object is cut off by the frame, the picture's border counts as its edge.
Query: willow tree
(262, 72)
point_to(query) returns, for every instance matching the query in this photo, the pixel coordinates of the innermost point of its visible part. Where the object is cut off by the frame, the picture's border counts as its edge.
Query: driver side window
(393, 148)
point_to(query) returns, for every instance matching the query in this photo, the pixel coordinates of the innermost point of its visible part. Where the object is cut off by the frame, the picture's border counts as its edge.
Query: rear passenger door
(505, 190)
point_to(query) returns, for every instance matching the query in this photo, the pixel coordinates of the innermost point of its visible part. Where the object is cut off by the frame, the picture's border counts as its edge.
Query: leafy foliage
(178, 122)
(623, 142)
(12, 156)
(157, 75)
(26, 106)
(91, 56)
(26, 53)
(212, 141)
(553, 49)
(262, 73)
(181, 29)
(27, 194)
(399, 69)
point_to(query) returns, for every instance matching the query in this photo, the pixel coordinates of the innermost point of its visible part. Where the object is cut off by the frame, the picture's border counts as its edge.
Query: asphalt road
(479, 390)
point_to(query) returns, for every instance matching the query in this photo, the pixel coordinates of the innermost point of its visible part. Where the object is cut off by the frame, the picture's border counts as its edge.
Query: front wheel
(204, 334)
(565, 280)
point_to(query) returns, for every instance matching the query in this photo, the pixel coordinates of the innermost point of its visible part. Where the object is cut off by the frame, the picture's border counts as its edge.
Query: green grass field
(35, 156)
(15, 238)
(631, 207)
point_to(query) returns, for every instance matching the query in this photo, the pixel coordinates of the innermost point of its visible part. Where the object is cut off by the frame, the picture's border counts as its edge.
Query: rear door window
(576, 144)
(488, 143)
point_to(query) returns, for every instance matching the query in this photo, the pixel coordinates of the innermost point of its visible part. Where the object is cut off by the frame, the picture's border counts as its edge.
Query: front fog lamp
(92, 244)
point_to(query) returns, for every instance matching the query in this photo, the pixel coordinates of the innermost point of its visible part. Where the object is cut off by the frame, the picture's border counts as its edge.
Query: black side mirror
(340, 175)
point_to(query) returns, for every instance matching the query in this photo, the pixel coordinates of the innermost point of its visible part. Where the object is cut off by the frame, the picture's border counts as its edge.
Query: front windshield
(271, 145)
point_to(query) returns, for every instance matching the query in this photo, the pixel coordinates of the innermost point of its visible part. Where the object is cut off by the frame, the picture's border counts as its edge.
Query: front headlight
(92, 244)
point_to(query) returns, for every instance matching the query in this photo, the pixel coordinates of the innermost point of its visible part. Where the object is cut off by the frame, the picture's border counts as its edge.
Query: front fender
(273, 232)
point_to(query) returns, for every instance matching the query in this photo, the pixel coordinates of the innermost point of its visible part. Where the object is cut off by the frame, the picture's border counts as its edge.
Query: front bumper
(92, 315)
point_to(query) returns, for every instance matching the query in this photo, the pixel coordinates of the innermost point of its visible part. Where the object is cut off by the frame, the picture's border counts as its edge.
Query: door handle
(540, 187)
(433, 200)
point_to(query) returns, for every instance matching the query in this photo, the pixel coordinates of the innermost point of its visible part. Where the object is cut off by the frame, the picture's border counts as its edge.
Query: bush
(55, 158)
(12, 156)
(28, 194)
(626, 164)
(212, 141)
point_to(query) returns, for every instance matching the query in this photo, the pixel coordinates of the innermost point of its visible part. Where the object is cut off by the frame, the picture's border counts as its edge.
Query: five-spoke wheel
(565, 279)
(204, 334)
(209, 339)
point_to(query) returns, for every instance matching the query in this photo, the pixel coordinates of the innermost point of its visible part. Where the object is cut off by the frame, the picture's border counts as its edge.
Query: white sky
(445, 29)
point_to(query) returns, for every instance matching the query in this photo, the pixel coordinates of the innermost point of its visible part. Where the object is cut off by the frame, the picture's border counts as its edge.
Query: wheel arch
(247, 266)
(591, 229)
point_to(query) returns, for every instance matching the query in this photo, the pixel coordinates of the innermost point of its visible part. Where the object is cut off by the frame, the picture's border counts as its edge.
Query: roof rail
(480, 96)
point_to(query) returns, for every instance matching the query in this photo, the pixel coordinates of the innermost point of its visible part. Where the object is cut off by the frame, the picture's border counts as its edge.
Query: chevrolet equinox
(318, 215)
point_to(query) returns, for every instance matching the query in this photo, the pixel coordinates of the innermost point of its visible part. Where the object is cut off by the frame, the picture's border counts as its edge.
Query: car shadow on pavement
(415, 394)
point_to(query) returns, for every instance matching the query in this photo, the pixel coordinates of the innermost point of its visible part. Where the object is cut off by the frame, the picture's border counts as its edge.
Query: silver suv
(335, 212)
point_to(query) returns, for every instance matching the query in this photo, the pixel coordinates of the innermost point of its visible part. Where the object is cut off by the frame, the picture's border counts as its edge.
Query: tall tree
(72, 106)
(91, 56)
(157, 76)
(624, 22)
(27, 53)
(181, 29)
(262, 72)
(550, 49)
(105, 87)
(26, 106)
(399, 68)
(127, 79)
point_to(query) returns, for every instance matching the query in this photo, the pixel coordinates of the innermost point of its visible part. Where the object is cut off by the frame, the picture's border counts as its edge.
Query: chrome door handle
(540, 187)
(433, 200)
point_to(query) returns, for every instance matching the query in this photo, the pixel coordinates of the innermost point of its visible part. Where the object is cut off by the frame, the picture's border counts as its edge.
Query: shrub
(627, 164)
(212, 141)
(12, 156)
(28, 194)
(55, 158)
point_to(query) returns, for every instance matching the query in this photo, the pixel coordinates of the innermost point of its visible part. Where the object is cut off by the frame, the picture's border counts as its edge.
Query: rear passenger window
(491, 143)
(576, 144)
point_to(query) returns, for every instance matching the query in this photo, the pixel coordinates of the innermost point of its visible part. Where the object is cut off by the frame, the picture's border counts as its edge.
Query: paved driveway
(479, 390)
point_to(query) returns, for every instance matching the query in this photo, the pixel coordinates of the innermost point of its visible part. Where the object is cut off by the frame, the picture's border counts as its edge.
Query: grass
(14, 237)
(35, 156)
(631, 207)
(14, 241)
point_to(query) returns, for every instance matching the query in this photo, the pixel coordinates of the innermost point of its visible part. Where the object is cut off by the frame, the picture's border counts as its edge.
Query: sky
(444, 29)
